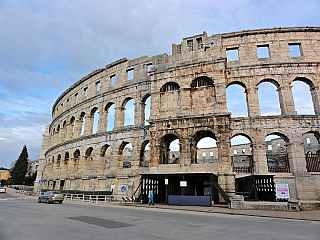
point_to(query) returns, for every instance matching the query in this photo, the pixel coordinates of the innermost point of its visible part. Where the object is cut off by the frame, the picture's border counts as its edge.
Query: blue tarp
(189, 200)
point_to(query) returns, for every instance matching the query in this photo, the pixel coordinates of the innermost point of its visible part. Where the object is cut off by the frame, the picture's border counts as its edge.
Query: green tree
(20, 168)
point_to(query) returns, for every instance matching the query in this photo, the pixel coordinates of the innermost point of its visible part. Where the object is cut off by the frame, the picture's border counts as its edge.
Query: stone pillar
(88, 124)
(119, 117)
(185, 156)
(252, 102)
(304, 181)
(154, 153)
(69, 133)
(297, 160)
(223, 144)
(315, 94)
(78, 128)
(260, 162)
(286, 100)
(103, 120)
(139, 113)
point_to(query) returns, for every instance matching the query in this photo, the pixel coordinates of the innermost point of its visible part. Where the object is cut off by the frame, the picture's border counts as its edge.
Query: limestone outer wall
(183, 108)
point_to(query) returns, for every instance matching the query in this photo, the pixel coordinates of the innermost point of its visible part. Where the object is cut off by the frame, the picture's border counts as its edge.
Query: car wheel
(39, 200)
(48, 201)
(59, 201)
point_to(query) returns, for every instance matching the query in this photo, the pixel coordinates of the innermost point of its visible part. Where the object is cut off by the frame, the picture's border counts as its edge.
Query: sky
(46, 46)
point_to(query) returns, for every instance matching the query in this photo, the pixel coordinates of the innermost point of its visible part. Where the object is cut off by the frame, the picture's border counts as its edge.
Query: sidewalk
(312, 215)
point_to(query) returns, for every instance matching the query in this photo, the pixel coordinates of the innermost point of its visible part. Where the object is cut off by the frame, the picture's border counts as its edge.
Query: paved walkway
(312, 215)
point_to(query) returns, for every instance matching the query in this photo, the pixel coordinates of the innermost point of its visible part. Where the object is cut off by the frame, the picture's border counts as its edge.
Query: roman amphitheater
(95, 142)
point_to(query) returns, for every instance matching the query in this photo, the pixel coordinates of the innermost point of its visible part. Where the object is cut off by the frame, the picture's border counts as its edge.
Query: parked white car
(3, 190)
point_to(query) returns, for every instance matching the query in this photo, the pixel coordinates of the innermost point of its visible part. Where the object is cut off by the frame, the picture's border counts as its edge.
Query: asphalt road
(24, 218)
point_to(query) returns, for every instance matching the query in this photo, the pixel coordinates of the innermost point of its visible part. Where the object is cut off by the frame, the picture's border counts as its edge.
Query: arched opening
(125, 152)
(110, 110)
(129, 113)
(88, 158)
(58, 160)
(169, 87)
(312, 151)
(83, 122)
(207, 151)
(202, 81)
(302, 96)
(269, 97)
(105, 157)
(72, 123)
(170, 149)
(204, 148)
(66, 158)
(147, 106)
(95, 115)
(237, 100)
(241, 154)
(145, 154)
(76, 158)
(276, 152)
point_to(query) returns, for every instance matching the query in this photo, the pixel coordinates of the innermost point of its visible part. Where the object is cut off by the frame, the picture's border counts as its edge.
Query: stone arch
(88, 158)
(66, 158)
(268, 102)
(170, 86)
(202, 81)
(144, 156)
(165, 142)
(241, 153)
(145, 109)
(94, 120)
(110, 116)
(125, 154)
(128, 109)
(76, 159)
(237, 101)
(102, 156)
(58, 160)
(196, 138)
(278, 152)
(310, 104)
(83, 123)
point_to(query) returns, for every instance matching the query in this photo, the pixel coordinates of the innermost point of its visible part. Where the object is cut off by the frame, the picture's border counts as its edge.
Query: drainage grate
(100, 222)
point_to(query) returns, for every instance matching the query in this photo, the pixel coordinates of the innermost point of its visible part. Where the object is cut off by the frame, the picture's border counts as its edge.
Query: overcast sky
(46, 46)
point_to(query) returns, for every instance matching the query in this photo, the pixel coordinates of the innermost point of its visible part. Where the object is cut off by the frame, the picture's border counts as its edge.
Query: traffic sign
(40, 181)
(123, 188)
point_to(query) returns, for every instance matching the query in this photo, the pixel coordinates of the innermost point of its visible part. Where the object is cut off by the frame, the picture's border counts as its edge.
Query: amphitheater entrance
(192, 184)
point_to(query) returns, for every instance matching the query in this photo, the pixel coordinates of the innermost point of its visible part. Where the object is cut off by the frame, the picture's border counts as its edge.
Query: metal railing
(115, 199)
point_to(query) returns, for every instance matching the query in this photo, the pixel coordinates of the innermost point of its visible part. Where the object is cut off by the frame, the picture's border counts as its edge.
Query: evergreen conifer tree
(20, 168)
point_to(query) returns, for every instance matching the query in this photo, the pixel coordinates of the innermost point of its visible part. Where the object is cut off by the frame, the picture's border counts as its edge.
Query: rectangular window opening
(204, 154)
(76, 97)
(130, 74)
(295, 49)
(199, 43)
(211, 154)
(232, 54)
(98, 86)
(190, 45)
(149, 66)
(235, 151)
(308, 140)
(270, 147)
(263, 51)
(85, 91)
(113, 80)
(243, 150)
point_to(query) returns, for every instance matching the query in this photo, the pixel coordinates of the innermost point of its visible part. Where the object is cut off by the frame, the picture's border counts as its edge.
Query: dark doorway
(197, 185)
